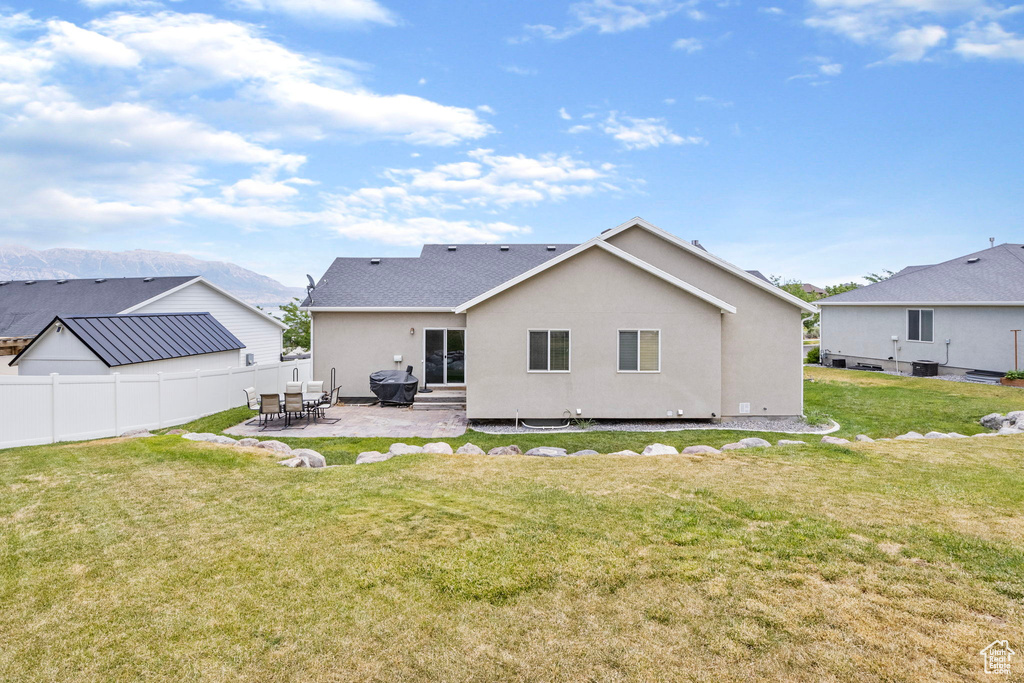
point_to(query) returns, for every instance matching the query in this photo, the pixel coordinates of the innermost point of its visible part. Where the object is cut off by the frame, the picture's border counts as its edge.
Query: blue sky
(817, 140)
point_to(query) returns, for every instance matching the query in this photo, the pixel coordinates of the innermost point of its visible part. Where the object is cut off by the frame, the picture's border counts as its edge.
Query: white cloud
(486, 109)
(566, 116)
(772, 10)
(354, 11)
(613, 16)
(830, 69)
(297, 92)
(688, 45)
(635, 134)
(990, 41)
(713, 101)
(519, 70)
(579, 128)
(67, 40)
(909, 30)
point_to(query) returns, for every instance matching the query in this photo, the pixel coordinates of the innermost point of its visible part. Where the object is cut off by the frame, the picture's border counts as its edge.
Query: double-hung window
(639, 351)
(920, 324)
(548, 351)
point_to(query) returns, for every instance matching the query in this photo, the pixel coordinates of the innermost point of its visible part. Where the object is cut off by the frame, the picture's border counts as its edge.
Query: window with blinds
(548, 351)
(639, 351)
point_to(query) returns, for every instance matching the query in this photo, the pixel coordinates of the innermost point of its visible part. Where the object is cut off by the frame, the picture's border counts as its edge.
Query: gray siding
(980, 336)
(761, 344)
(593, 294)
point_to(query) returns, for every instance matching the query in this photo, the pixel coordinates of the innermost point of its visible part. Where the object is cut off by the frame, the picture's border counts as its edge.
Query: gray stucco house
(634, 323)
(960, 313)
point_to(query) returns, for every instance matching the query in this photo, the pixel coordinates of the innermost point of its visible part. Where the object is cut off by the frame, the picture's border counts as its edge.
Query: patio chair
(314, 387)
(293, 405)
(293, 387)
(326, 402)
(270, 404)
(252, 400)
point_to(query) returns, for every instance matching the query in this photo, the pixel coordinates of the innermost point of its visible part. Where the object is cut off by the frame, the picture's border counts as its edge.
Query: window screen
(549, 351)
(639, 351)
(920, 324)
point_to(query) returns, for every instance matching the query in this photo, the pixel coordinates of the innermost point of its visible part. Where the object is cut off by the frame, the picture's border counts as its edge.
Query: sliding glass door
(444, 356)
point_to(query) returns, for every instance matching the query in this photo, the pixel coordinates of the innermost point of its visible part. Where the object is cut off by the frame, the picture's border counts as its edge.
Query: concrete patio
(367, 421)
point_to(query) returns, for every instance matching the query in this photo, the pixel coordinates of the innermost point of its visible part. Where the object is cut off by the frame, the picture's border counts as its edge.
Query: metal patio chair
(270, 404)
(293, 387)
(294, 405)
(326, 402)
(252, 400)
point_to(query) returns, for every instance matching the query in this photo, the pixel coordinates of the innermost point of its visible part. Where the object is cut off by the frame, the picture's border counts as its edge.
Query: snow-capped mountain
(22, 263)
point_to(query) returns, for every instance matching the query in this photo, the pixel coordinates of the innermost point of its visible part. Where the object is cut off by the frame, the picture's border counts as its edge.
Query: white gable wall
(60, 352)
(259, 334)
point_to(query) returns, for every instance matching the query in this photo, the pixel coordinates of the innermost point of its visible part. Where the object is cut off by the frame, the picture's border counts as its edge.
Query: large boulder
(865, 438)
(210, 438)
(310, 457)
(700, 450)
(834, 440)
(469, 449)
(506, 450)
(660, 449)
(1009, 430)
(626, 452)
(404, 449)
(547, 452)
(1016, 417)
(909, 436)
(372, 456)
(980, 434)
(754, 442)
(439, 447)
(936, 435)
(733, 447)
(957, 435)
(585, 451)
(791, 442)
(293, 462)
(177, 432)
(275, 445)
(248, 442)
(137, 433)
(993, 421)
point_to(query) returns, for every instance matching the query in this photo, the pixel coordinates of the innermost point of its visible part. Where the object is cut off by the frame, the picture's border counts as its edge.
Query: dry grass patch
(161, 559)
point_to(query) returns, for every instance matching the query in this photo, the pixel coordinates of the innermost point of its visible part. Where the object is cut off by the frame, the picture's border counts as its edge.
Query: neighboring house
(138, 343)
(812, 289)
(27, 306)
(960, 313)
(635, 323)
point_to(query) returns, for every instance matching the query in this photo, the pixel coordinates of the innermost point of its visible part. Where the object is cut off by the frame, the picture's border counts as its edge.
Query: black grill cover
(393, 386)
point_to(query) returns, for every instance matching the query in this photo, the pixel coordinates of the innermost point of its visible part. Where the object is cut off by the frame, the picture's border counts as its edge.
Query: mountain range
(22, 263)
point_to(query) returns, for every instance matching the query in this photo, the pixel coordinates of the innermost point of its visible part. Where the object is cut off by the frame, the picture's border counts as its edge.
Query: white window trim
(907, 321)
(549, 331)
(638, 371)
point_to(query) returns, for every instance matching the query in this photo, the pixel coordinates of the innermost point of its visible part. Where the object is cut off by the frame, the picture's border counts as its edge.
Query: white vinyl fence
(47, 409)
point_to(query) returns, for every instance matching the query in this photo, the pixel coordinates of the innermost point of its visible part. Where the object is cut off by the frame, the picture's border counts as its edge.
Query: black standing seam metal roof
(140, 338)
(27, 308)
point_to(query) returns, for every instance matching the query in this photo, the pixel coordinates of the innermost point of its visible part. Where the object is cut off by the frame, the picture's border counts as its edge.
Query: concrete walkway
(368, 421)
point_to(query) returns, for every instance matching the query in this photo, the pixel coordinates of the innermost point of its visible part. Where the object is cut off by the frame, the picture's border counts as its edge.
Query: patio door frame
(446, 383)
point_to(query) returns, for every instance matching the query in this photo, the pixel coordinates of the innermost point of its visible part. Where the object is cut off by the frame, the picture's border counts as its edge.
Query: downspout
(896, 352)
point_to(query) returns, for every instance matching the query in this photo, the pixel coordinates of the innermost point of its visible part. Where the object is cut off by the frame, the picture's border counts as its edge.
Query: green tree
(297, 334)
(872, 278)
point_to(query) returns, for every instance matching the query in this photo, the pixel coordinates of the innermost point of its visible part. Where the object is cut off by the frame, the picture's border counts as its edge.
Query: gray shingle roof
(138, 338)
(25, 309)
(438, 278)
(997, 276)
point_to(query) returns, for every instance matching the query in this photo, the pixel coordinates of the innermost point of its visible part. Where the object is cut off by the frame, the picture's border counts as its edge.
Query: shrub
(1015, 374)
(814, 355)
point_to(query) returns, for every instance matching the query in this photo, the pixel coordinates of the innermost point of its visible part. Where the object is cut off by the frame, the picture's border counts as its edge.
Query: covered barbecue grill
(394, 387)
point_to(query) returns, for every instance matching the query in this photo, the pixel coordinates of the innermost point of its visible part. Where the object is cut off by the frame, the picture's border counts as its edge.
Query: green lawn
(165, 559)
(862, 402)
(162, 559)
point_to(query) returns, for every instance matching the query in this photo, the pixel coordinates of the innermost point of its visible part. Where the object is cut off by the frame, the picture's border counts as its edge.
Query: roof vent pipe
(991, 241)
